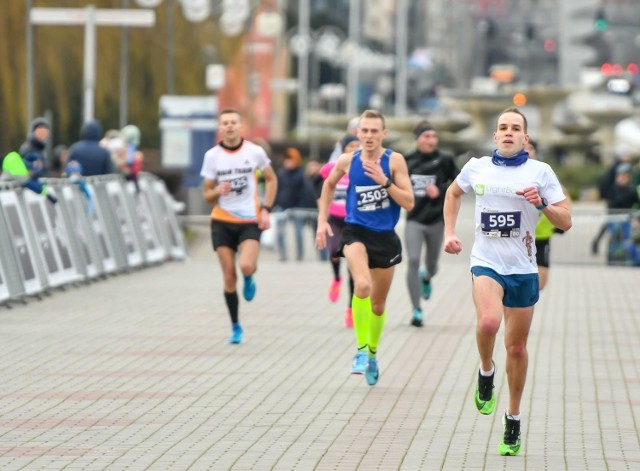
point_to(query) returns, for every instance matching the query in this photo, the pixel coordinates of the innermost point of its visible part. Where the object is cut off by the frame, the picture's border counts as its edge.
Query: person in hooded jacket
(36, 143)
(94, 159)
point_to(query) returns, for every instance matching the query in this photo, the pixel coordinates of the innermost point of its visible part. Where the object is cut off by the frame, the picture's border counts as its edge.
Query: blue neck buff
(518, 159)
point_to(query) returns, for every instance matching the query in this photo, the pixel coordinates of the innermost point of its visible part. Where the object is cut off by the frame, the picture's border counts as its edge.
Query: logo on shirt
(528, 242)
(481, 189)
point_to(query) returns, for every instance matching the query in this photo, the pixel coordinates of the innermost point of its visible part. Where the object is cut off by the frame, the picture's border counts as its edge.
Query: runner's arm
(452, 201)
(401, 190)
(211, 191)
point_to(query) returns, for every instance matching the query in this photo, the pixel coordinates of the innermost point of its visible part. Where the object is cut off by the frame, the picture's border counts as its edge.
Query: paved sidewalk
(134, 372)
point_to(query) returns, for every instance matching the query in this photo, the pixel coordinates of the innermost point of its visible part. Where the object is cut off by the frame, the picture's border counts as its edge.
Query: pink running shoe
(334, 290)
(348, 318)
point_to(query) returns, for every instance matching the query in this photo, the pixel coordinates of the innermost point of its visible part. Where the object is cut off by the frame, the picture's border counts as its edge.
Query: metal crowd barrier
(576, 246)
(119, 227)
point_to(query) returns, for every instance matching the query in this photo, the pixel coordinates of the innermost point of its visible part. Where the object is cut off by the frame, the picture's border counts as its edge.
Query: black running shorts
(542, 253)
(229, 234)
(384, 249)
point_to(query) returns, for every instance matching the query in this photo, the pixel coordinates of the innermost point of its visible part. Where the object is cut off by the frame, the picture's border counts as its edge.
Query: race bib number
(239, 185)
(371, 198)
(505, 224)
(421, 182)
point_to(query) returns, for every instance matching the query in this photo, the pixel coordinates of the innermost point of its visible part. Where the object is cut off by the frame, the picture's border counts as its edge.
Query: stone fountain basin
(580, 129)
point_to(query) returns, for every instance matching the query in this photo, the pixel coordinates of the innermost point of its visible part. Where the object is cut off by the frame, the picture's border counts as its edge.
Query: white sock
(487, 373)
(513, 417)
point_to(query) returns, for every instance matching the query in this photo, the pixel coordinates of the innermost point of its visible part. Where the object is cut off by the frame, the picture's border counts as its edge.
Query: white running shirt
(506, 240)
(238, 167)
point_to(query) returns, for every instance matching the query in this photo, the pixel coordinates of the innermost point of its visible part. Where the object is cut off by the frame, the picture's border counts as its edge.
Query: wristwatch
(544, 204)
(388, 184)
(268, 208)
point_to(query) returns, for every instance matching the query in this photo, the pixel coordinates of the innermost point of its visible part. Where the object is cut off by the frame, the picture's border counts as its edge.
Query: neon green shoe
(484, 397)
(510, 444)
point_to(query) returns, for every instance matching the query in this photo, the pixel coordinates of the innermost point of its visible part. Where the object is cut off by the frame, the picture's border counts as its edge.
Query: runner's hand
(264, 222)
(452, 245)
(374, 171)
(321, 234)
(531, 194)
(432, 191)
(224, 188)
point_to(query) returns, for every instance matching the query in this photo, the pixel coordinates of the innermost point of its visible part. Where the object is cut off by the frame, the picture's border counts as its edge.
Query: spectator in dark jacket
(88, 152)
(621, 197)
(36, 142)
(291, 189)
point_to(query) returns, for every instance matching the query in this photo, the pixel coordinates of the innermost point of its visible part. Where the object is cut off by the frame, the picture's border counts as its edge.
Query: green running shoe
(510, 444)
(484, 397)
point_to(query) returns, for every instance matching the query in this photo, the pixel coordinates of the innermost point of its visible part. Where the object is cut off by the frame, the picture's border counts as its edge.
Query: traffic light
(530, 31)
(600, 22)
(599, 45)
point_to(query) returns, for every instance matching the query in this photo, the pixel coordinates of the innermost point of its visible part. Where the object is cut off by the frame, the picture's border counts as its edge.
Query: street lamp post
(304, 31)
(352, 65)
(90, 17)
(124, 72)
(402, 19)
(29, 65)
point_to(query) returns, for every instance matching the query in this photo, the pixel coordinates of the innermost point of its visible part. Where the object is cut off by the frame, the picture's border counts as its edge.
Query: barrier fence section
(109, 227)
(620, 243)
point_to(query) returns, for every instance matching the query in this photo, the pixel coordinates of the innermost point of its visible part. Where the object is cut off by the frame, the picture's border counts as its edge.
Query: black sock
(232, 304)
(335, 264)
(351, 287)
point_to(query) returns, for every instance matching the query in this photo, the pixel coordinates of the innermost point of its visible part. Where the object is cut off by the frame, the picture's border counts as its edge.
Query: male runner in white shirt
(510, 190)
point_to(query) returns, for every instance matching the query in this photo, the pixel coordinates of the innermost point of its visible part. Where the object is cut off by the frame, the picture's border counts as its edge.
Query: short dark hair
(230, 111)
(373, 114)
(515, 110)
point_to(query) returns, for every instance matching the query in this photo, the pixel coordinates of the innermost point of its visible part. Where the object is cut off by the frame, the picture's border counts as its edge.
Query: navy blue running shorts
(519, 290)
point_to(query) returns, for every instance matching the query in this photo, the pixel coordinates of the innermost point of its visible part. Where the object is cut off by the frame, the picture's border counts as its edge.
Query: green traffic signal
(600, 22)
(601, 25)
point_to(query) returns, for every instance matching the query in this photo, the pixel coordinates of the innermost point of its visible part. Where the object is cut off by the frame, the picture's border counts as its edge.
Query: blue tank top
(368, 204)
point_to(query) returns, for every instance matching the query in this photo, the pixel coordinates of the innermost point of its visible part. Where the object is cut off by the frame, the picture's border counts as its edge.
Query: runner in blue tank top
(379, 186)
(368, 204)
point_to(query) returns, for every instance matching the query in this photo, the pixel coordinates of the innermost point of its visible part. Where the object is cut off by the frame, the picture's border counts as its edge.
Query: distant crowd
(95, 153)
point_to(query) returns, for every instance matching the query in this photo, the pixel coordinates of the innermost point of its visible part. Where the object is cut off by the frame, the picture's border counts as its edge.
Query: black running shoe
(510, 444)
(484, 397)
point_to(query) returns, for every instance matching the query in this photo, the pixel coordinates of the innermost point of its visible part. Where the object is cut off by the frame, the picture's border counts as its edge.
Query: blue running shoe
(359, 364)
(417, 318)
(426, 285)
(236, 334)
(372, 373)
(249, 289)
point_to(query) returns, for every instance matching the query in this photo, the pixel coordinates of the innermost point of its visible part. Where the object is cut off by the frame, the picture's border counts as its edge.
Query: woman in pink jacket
(337, 213)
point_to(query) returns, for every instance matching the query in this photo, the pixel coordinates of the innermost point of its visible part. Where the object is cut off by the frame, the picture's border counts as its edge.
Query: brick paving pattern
(134, 373)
